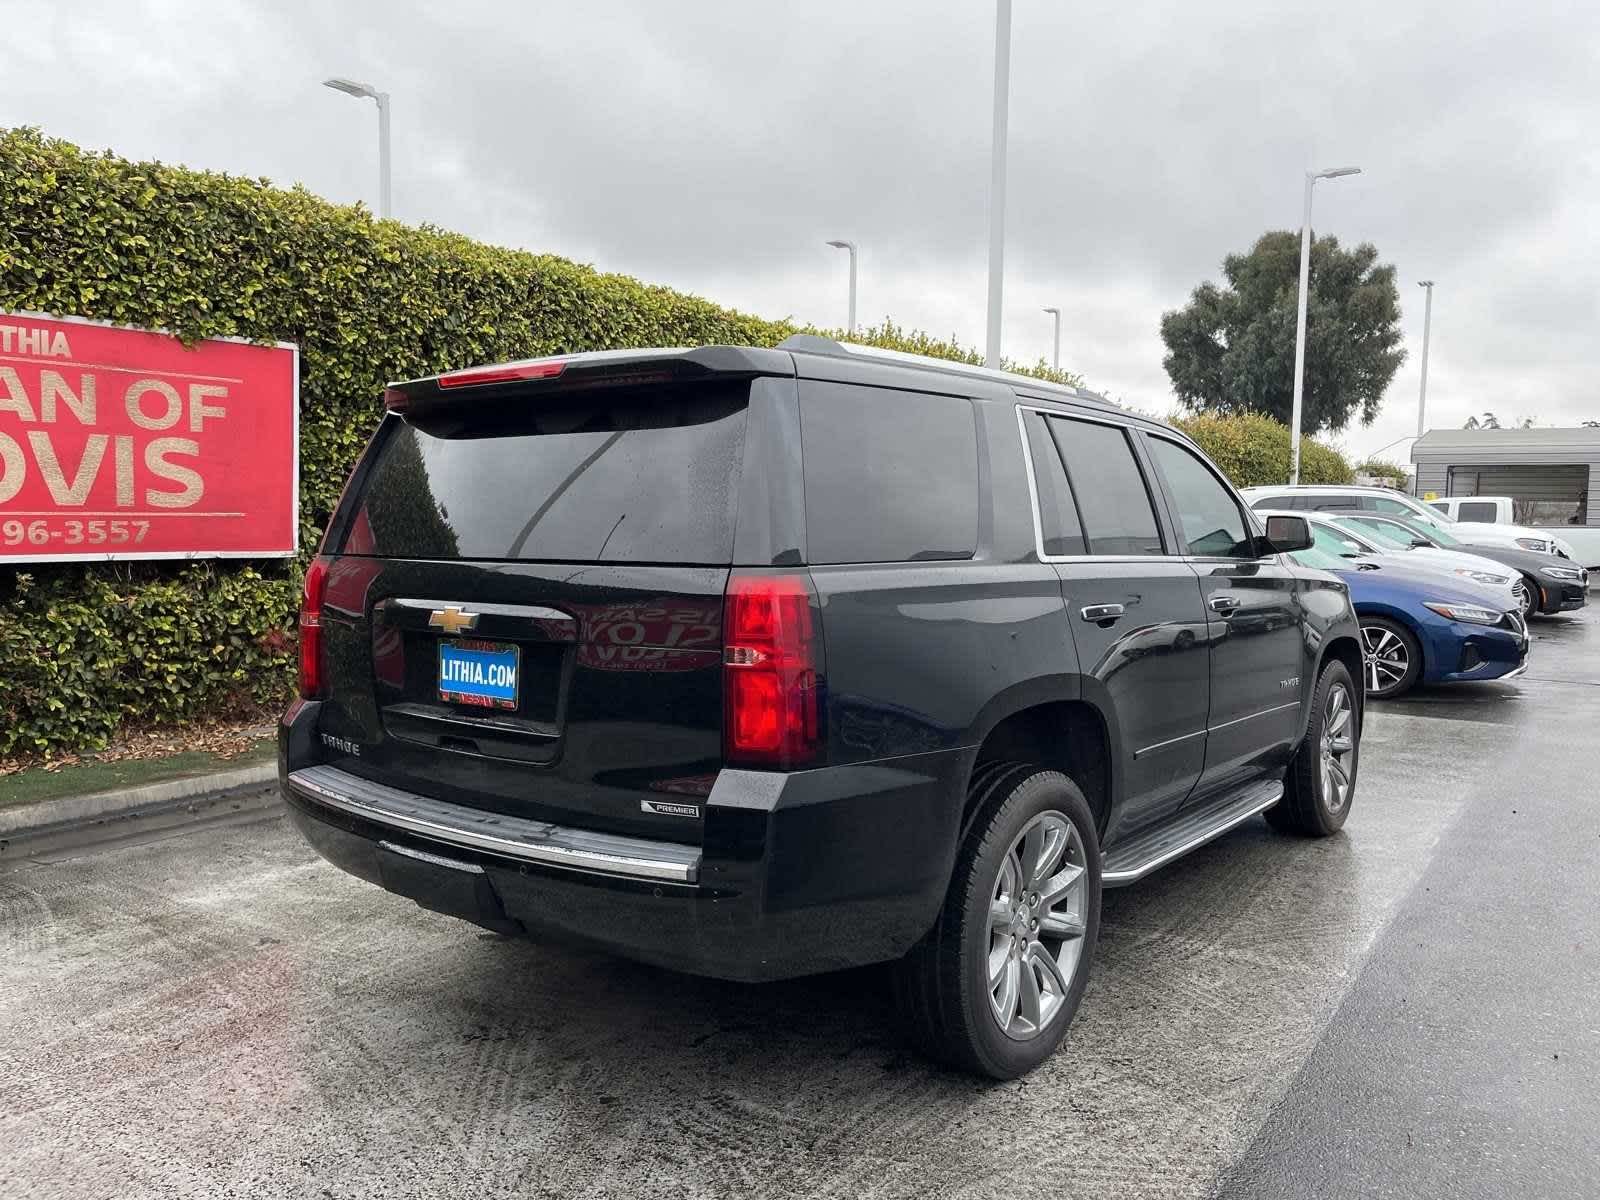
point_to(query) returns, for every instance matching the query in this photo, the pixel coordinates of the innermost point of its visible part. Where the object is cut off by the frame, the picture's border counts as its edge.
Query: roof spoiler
(564, 374)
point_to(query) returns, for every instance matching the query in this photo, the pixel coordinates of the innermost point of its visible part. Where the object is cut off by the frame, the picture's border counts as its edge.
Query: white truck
(1582, 543)
(1490, 510)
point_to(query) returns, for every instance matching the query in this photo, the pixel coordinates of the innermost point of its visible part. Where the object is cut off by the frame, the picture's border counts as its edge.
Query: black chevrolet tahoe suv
(761, 662)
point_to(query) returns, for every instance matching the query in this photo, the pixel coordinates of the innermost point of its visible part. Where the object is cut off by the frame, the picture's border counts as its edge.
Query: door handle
(1224, 604)
(1101, 612)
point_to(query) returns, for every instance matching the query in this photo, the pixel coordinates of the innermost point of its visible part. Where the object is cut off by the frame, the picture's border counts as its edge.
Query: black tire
(1372, 629)
(1312, 803)
(943, 985)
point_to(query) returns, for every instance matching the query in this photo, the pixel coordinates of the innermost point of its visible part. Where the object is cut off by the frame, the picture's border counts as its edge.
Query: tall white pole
(1427, 324)
(1300, 336)
(1055, 357)
(840, 244)
(997, 178)
(384, 208)
(851, 326)
(1300, 316)
(365, 91)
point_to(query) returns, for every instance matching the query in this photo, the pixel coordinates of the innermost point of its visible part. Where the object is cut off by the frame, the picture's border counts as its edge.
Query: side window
(1386, 532)
(1442, 506)
(1329, 542)
(1385, 505)
(889, 476)
(1058, 511)
(1118, 517)
(1276, 502)
(1211, 521)
(1478, 510)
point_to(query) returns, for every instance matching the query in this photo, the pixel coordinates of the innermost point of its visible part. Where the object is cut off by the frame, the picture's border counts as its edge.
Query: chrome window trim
(1165, 556)
(1033, 491)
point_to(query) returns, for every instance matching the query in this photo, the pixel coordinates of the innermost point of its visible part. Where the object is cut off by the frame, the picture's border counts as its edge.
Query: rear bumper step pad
(495, 833)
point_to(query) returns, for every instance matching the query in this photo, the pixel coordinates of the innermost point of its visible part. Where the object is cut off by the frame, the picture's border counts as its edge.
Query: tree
(1490, 421)
(1231, 348)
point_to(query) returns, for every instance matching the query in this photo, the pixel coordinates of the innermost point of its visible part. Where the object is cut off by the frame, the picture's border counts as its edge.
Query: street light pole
(1427, 325)
(1055, 358)
(850, 246)
(351, 87)
(1300, 316)
(385, 207)
(997, 178)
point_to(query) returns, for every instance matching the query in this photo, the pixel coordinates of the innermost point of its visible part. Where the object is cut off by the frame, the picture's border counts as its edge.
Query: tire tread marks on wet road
(222, 1013)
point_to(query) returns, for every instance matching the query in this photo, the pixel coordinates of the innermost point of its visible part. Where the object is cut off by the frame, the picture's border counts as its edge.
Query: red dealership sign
(121, 443)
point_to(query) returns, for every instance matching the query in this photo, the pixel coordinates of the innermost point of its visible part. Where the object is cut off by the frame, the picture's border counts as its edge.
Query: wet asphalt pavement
(1409, 1009)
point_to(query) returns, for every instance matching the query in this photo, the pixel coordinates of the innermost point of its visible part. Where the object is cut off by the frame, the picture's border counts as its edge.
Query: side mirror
(1287, 534)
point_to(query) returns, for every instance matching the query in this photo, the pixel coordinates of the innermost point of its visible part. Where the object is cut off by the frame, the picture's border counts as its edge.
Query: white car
(1331, 533)
(1319, 497)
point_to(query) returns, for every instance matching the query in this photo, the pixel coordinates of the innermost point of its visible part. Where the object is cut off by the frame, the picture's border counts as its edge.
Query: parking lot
(1407, 1008)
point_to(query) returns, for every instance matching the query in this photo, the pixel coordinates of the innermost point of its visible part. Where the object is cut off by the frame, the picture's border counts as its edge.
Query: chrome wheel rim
(1338, 747)
(1528, 598)
(1038, 913)
(1386, 659)
(1519, 593)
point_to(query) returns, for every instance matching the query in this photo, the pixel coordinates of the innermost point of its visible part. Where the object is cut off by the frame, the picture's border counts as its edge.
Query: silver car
(1339, 535)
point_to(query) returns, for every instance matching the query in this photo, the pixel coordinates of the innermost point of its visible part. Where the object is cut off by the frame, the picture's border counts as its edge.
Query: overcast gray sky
(713, 145)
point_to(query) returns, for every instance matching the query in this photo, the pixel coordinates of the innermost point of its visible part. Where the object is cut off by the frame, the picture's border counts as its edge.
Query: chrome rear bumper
(495, 833)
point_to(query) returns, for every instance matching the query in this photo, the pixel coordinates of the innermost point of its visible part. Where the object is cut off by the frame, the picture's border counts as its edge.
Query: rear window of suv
(649, 476)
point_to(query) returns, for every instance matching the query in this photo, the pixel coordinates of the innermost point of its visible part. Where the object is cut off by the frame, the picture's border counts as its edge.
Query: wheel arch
(1536, 591)
(1400, 617)
(1058, 729)
(1346, 649)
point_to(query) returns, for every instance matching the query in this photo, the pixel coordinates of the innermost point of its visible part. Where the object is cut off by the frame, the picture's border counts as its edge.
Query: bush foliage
(1380, 468)
(85, 647)
(1253, 450)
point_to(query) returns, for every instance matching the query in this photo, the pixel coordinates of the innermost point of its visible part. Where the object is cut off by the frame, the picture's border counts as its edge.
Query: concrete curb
(76, 810)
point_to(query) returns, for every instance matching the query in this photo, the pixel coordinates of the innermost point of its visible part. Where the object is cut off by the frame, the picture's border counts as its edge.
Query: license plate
(482, 674)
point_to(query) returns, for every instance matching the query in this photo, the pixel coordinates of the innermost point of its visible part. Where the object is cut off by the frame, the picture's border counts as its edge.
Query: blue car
(1422, 627)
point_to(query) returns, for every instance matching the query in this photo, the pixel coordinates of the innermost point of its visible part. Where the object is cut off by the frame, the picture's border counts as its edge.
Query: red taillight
(313, 680)
(504, 373)
(770, 713)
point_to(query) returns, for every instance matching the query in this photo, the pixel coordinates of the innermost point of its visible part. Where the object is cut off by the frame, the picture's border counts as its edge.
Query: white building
(1552, 475)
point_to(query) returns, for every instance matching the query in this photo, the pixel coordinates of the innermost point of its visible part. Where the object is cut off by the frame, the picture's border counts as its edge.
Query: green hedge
(1380, 468)
(1252, 449)
(84, 648)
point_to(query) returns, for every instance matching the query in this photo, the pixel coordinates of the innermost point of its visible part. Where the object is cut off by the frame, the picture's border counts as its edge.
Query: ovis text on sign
(124, 443)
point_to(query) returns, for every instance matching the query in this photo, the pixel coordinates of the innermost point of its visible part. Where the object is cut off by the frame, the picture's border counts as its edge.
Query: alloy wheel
(1038, 910)
(1338, 747)
(1386, 660)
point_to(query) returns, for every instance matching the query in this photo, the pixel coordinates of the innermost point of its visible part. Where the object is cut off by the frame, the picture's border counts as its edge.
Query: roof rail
(811, 343)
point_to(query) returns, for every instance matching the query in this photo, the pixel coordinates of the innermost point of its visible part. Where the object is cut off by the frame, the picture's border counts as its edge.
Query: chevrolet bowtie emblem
(452, 619)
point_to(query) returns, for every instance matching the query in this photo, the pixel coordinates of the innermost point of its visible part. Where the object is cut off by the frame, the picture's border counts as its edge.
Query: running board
(1130, 861)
